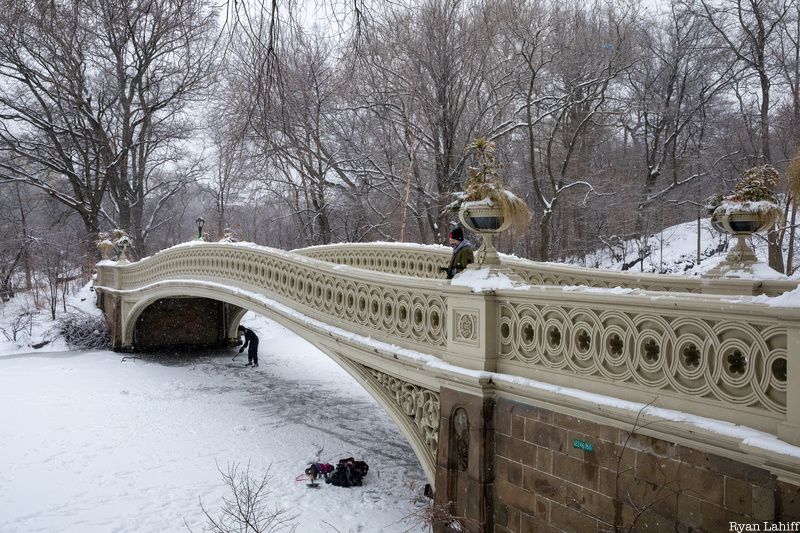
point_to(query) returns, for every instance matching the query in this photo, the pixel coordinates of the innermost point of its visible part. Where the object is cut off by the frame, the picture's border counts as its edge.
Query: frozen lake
(93, 444)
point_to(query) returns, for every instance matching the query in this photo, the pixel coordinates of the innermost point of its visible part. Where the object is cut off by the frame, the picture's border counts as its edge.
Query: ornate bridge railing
(698, 354)
(425, 260)
(731, 358)
(408, 312)
(668, 337)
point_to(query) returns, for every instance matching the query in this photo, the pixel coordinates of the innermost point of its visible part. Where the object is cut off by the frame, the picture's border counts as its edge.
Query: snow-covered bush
(757, 184)
(82, 330)
(229, 236)
(21, 324)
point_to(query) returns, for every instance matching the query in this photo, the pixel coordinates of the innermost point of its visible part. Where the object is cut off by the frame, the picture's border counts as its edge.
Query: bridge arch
(414, 406)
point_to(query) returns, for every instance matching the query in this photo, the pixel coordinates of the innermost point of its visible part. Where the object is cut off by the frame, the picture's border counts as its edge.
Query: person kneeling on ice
(316, 470)
(251, 343)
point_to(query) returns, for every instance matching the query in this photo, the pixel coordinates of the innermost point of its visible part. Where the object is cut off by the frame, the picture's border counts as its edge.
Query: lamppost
(200, 221)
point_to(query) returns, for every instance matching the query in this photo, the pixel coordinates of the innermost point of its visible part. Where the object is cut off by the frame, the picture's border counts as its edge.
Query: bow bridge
(545, 395)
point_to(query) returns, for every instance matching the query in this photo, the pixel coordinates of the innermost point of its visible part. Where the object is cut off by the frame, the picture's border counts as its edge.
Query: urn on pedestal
(751, 208)
(486, 207)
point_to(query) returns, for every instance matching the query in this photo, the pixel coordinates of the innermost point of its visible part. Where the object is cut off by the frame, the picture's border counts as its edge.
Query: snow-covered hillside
(671, 251)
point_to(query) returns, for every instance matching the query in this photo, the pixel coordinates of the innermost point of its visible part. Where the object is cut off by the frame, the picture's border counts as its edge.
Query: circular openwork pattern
(424, 261)
(399, 311)
(421, 261)
(731, 362)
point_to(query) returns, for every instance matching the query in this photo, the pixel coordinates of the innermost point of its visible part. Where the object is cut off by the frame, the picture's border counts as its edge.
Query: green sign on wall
(582, 445)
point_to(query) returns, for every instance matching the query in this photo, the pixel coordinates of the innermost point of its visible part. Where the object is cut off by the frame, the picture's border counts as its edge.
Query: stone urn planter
(486, 220)
(115, 242)
(741, 220)
(744, 219)
(751, 208)
(105, 247)
(122, 245)
(486, 207)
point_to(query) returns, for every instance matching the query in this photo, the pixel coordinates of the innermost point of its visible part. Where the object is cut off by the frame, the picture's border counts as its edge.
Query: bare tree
(748, 29)
(438, 75)
(246, 509)
(672, 91)
(94, 107)
(230, 174)
(566, 93)
(45, 135)
(786, 54)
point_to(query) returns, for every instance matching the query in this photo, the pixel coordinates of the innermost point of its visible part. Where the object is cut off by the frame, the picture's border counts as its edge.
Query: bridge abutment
(556, 471)
(465, 462)
(507, 466)
(111, 305)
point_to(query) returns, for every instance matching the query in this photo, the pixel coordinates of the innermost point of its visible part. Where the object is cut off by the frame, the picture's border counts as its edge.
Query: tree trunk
(765, 151)
(790, 255)
(26, 256)
(774, 252)
(544, 235)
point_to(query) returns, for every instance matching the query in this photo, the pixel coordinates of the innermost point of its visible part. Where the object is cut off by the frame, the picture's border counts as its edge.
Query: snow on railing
(420, 260)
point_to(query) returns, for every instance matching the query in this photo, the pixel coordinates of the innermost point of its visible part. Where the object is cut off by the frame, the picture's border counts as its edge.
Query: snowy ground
(674, 251)
(93, 444)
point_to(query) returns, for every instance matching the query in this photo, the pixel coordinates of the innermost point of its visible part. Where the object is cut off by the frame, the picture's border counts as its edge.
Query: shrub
(246, 509)
(757, 184)
(82, 330)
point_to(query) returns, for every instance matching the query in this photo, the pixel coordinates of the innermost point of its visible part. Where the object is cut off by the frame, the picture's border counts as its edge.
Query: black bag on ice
(348, 473)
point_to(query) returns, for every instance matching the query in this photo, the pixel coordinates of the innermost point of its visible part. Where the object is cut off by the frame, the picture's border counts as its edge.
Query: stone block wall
(544, 483)
(464, 469)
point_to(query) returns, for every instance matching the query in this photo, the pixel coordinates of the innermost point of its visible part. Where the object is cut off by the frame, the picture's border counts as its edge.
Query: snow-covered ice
(90, 443)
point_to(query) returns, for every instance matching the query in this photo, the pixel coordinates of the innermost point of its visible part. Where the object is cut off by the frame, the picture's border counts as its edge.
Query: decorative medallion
(466, 327)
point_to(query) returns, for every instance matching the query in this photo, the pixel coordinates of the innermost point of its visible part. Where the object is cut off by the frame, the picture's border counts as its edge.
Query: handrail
(423, 261)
